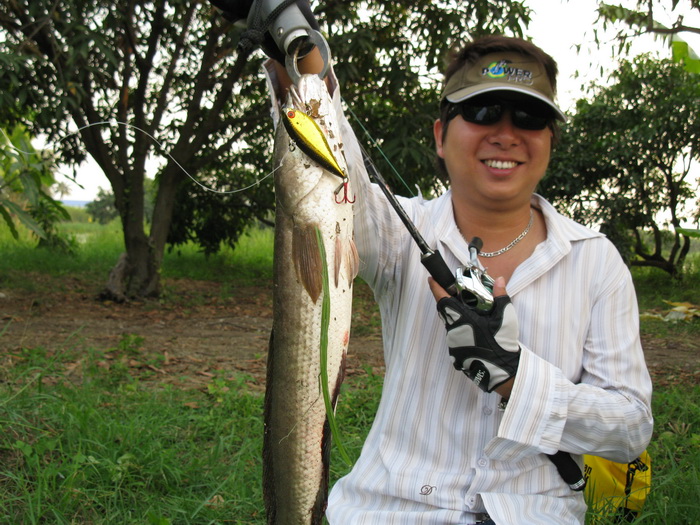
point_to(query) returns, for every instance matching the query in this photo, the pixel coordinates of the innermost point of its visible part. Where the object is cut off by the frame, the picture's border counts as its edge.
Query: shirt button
(482, 462)
(488, 411)
(471, 501)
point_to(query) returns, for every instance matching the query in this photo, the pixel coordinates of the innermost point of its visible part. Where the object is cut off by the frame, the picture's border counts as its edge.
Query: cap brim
(469, 92)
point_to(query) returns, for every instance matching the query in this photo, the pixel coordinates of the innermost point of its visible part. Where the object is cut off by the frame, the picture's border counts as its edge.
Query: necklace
(513, 242)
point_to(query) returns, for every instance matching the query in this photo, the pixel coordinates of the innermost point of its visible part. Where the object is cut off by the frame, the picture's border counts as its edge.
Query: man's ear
(438, 128)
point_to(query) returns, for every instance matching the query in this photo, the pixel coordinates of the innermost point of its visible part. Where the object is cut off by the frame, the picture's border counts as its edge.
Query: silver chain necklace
(514, 241)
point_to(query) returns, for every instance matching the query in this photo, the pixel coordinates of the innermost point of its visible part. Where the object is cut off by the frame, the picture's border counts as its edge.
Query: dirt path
(196, 334)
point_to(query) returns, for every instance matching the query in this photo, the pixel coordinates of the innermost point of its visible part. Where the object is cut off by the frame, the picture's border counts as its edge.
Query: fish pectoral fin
(345, 253)
(307, 260)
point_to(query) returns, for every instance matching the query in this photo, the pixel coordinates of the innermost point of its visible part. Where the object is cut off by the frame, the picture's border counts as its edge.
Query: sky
(557, 26)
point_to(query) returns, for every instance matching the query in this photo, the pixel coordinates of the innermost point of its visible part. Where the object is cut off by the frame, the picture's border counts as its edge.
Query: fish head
(309, 151)
(311, 96)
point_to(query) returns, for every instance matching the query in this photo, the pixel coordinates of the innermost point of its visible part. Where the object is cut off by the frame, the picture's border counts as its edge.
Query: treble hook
(343, 186)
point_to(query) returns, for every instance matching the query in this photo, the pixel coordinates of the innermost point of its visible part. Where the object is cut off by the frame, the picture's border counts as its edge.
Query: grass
(107, 451)
(110, 449)
(107, 447)
(98, 248)
(250, 261)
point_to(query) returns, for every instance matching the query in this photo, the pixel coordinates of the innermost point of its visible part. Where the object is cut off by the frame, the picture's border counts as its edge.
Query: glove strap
(253, 37)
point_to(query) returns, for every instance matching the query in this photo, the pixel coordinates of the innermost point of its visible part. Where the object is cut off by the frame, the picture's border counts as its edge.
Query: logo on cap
(502, 70)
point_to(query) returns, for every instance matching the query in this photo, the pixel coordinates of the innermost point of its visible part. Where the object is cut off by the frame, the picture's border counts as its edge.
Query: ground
(197, 332)
(191, 336)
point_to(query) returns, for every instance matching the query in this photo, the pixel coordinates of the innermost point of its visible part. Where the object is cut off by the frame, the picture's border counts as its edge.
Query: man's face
(494, 165)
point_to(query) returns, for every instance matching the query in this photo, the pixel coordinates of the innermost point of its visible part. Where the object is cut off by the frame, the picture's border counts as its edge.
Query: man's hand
(233, 10)
(483, 344)
(261, 22)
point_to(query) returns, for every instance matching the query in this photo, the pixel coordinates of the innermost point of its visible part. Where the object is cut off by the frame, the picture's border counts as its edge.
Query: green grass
(250, 261)
(98, 248)
(654, 286)
(110, 449)
(655, 289)
(107, 451)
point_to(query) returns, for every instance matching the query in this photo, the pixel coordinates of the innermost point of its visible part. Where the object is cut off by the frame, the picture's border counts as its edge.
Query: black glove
(233, 10)
(258, 32)
(483, 344)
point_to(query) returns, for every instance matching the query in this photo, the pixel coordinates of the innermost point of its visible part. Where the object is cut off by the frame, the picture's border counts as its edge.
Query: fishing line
(378, 147)
(159, 144)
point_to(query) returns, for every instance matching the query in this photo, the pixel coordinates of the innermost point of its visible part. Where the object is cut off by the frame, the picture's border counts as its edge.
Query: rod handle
(438, 269)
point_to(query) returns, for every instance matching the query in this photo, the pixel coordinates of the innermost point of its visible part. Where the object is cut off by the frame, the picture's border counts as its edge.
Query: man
(564, 350)
(562, 347)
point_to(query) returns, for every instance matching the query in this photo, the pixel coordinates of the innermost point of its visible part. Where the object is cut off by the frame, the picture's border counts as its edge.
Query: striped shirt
(440, 451)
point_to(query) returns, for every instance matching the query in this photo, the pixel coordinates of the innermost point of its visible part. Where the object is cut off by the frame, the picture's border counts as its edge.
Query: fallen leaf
(216, 502)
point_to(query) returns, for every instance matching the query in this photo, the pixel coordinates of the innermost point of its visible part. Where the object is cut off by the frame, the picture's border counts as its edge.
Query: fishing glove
(483, 344)
(258, 32)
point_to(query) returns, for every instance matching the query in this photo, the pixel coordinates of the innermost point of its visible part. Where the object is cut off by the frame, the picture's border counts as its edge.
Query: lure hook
(344, 199)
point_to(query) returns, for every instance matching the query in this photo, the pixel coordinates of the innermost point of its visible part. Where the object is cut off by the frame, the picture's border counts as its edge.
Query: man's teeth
(501, 164)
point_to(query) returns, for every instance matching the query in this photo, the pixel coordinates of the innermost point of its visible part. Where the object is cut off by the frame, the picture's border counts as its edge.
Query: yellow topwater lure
(310, 138)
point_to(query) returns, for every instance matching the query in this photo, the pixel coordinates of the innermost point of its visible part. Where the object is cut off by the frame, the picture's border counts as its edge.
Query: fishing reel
(472, 283)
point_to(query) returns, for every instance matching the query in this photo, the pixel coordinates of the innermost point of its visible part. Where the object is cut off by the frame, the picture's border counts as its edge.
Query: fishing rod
(431, 259)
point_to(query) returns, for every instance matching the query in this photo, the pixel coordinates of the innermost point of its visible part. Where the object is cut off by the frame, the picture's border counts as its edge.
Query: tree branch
(681, 28)
(163, 95)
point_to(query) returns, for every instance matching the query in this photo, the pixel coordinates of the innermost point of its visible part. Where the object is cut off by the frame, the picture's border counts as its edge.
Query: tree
(159, 69)
(60, 189)
(643, 21)
(625, 157)
(169, 70)
(102, 209)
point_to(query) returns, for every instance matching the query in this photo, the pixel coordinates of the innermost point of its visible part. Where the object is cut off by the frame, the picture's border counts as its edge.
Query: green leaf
(8, 220)
(682, 53)
(22, 216)
(325, 321)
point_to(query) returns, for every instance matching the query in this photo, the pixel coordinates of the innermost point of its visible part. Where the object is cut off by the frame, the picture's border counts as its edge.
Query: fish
(313, 236)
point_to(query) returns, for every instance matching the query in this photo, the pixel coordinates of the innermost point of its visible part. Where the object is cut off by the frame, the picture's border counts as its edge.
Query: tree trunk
(137, 272)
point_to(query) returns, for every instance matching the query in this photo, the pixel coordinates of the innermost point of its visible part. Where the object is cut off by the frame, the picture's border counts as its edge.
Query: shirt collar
(562, 232)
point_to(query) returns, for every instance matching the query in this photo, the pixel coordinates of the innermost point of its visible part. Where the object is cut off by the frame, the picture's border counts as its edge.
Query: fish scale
(296, 449)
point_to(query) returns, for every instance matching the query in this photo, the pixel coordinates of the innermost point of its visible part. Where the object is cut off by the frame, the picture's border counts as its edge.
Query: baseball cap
(501, 71)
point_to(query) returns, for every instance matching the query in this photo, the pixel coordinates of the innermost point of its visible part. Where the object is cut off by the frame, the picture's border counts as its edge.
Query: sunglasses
(530, 115)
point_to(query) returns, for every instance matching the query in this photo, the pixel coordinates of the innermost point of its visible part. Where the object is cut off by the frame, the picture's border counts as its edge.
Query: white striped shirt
(440, 451)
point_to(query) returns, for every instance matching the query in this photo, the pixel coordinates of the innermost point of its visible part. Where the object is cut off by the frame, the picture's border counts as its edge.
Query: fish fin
(307, 260)
(346, 252)
(337, 259)
(269, 492)
(353, 262)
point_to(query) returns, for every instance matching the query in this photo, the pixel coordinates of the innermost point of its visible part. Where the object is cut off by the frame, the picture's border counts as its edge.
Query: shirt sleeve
(607, 412)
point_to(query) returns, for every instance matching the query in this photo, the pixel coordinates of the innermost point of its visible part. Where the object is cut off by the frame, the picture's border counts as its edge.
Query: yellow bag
(617, 488)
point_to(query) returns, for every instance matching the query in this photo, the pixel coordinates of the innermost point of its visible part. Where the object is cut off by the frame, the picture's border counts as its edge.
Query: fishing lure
(307, 134)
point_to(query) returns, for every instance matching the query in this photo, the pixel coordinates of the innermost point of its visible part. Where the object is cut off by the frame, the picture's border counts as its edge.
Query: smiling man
(554, 365)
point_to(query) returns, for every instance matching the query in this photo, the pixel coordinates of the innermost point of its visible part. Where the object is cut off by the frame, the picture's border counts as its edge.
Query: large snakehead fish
(315, 263)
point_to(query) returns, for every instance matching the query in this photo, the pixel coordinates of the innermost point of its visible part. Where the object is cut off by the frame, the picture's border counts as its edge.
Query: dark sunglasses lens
(484, 114)
(524, 120)
(488, 112)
